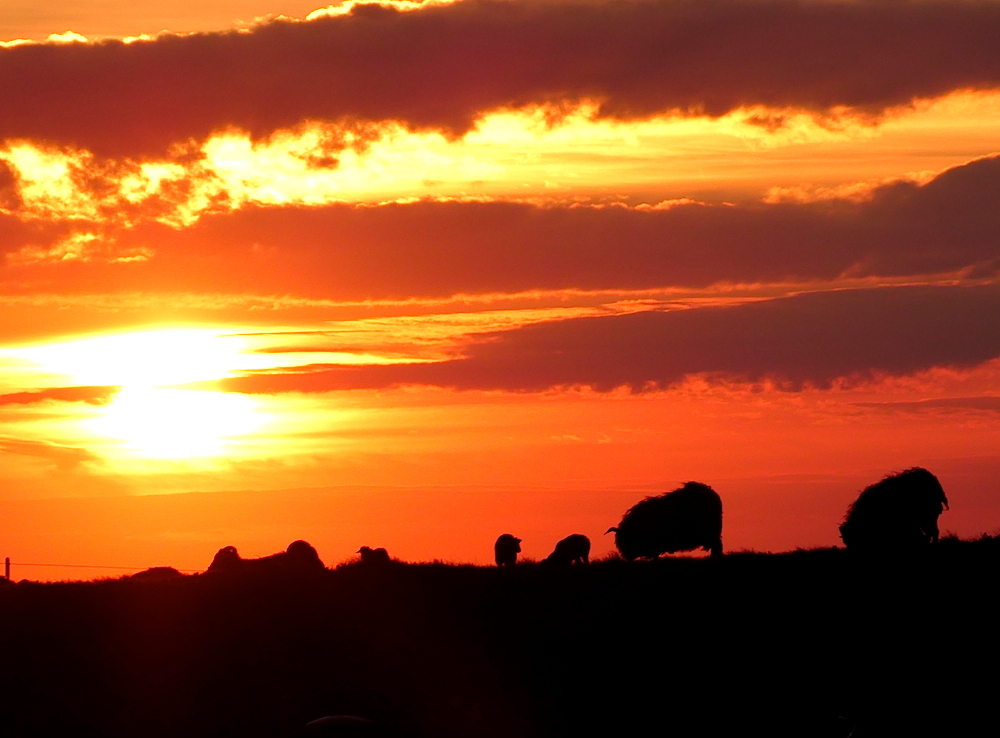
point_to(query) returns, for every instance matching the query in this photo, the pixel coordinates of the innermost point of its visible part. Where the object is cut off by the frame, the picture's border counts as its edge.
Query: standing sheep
(506, 549)
(571, 549)
(900, 511)
(687, 518)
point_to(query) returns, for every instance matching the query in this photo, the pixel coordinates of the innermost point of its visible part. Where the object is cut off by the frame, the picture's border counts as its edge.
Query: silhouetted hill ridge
(806, 643)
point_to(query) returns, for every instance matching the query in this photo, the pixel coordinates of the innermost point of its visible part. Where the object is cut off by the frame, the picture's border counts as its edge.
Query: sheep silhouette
(687, 518)
(900, 511)
(298, 558)
(571, 549)
(373, 555)
(506, 549)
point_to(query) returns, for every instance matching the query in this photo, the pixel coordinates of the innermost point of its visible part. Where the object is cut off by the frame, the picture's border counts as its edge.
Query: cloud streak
(63, 456)
(443, 66)
(90, 395)
(806, 340)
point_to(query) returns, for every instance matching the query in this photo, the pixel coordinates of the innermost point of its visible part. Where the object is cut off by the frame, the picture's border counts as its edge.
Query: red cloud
(443, 66)
(434, 249)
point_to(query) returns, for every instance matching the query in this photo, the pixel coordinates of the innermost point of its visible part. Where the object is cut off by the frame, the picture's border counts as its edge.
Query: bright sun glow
(148, 359)
(173, 423)
(150, 419)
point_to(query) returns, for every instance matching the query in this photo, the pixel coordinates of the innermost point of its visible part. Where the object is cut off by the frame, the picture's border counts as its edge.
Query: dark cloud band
(443, 66)
(434, 249)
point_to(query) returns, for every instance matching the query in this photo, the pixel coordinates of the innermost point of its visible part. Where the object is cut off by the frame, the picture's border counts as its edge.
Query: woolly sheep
(690, 517)
(506, 549)
(900, 511)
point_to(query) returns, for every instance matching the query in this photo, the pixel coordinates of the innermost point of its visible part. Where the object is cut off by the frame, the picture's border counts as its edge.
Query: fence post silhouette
(6, 568)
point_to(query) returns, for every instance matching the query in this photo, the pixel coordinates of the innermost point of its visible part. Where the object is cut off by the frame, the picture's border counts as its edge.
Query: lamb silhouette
(373, 555)
(298, 558)
(690, 517)
(899, 512)
(571, 549)
(506, 549)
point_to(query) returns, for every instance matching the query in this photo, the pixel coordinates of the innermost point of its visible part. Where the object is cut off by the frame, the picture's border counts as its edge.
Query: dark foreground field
(812, 643)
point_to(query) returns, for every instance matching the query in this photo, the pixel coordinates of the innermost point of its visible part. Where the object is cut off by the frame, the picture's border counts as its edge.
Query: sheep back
(900, 511)
(685, 519)
(571, 549)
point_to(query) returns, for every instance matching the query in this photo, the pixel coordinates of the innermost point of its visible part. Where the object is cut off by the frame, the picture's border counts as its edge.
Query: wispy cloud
(65, 457)
(985, 403)
(89, 395)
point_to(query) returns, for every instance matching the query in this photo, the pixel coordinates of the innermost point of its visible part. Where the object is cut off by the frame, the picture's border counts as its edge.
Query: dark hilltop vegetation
(819, 643)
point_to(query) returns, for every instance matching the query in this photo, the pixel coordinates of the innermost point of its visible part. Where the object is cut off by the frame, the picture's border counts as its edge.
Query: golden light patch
(530, 154)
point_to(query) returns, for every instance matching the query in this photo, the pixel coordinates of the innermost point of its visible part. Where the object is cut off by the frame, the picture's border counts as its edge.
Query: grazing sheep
(900, 511)
(373, 555)
(571, 549)
(298, 558)
(687, 518)
(506, 549)
(226, 560)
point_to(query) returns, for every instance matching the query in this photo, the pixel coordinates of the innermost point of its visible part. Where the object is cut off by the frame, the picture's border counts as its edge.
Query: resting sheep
(506, 549)
(373, 555)
(900, 511)
(687, 518)
(298, 558)
(571, 549)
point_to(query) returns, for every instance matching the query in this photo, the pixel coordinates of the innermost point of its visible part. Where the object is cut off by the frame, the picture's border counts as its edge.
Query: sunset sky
(414, 275)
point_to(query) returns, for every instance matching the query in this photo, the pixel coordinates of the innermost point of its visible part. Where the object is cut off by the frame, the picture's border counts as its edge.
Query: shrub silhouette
(343, 726)
(156, 574)
(898, 512)
(373, 555)
(690, 517)
(506, 549)
(299, 557)
(571, 549)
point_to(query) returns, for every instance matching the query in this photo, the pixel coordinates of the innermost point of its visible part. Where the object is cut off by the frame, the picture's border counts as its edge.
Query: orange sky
(266, 278)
